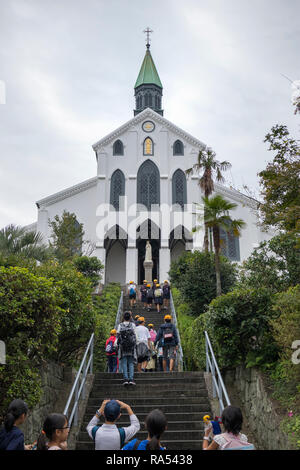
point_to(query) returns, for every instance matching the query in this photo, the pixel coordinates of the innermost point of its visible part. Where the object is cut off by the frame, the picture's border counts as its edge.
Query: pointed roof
(148, 73)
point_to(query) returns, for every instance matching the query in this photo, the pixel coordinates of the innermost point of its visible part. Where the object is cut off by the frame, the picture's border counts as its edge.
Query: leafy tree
(194, 275)
(216, 216)
(67, 235)
(17, 241)
(90, 267)
(280, 182)
(274, 264)
(239, 327)
(206, 162)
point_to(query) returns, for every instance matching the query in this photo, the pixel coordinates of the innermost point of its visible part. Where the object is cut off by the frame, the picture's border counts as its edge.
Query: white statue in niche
(148, 252)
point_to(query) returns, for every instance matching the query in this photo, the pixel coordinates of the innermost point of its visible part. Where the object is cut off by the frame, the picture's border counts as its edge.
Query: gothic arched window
(148, 146)
(117, 188)
(118, 148)
(148, 184)
(230, 245)
(179, 193)
(178, 148)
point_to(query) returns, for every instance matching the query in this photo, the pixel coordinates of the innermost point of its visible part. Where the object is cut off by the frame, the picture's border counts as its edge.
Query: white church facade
(141, 192)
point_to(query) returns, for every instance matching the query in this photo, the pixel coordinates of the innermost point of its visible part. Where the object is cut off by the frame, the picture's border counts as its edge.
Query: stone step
(142, 390)
(171, 416)
(133, 393)
(146, 408)
(172, 425)
(104, 375)
(151, 381)
(156, 402)
(168, 435)
(170, 445)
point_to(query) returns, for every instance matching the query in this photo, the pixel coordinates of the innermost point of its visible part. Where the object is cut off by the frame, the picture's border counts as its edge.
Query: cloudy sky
(69, 68)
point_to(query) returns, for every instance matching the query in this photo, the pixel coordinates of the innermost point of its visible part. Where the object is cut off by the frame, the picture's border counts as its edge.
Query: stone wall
(263, 414)
(56, 385)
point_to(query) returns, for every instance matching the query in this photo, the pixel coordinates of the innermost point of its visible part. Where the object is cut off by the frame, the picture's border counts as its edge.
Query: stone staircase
(182, 396)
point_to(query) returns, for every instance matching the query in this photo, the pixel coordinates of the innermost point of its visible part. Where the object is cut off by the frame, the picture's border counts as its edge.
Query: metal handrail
(212, 365)
(119, 312)
(78, 389)
(180, 359)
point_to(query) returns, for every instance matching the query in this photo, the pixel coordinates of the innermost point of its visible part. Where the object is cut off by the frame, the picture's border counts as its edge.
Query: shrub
(195, 276)
(106, 307)
(286, 330)
(90, 267)
(30, 315)
(78, 312)
(238, 325)
(191, 334)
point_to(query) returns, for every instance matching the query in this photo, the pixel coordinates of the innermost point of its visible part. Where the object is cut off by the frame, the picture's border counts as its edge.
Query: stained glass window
(148, 146)
(118, 148)
(117, 188)
(148, 184)
(178, 148)
(230, 245)
(179, 193)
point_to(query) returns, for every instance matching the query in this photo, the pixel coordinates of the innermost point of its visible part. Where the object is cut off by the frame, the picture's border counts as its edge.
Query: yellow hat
(154, 280)
(131, 282)
(168, 317)
(150, 324)
(113, 332)
(148, 285)
(136, 317)
(145, 281)
(141, 319)
(157, 285)
(166, 281)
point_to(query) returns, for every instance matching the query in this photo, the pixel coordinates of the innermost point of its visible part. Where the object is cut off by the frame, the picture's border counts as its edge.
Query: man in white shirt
(143, 344)
(109, 436)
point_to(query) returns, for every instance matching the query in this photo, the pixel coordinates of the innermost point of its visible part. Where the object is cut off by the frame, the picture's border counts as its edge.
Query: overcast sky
(69, 68)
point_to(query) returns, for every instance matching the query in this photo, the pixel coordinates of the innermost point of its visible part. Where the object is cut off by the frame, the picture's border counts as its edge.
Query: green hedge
(30, 312)
(191, 333)
(106, 306)
(286, 375)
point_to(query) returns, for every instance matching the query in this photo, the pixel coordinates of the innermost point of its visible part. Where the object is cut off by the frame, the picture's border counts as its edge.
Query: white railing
(79, 383)
(180, 356)
(218, 387)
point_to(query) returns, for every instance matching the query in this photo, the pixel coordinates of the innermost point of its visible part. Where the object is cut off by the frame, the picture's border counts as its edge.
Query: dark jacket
(160, 334)
(11, 440)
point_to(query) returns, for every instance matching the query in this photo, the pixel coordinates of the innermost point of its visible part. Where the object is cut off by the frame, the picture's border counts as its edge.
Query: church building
(140, 192)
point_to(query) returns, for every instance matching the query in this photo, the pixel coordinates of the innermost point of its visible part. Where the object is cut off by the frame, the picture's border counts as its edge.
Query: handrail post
(206, 350)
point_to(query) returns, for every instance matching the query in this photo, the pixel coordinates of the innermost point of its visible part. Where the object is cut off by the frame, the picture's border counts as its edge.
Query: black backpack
(168, 334)
(127, 338)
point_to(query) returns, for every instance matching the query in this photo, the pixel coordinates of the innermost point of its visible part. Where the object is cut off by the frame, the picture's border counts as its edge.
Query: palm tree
(206, 162)
(216, 216)
(15, 240)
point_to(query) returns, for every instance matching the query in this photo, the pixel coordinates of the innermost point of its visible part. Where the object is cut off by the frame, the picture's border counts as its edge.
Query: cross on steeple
(148, 31)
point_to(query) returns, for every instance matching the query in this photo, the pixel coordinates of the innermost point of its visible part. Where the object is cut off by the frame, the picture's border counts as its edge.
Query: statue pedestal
(148, 266)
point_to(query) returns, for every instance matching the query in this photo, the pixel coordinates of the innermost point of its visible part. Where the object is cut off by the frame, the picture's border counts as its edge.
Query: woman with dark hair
(231, 439)
(156, 424)
(55, 433)
(11, 437)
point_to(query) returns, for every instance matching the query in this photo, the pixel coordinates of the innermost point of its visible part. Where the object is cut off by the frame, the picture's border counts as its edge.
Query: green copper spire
(148, 73)
(148, 87)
